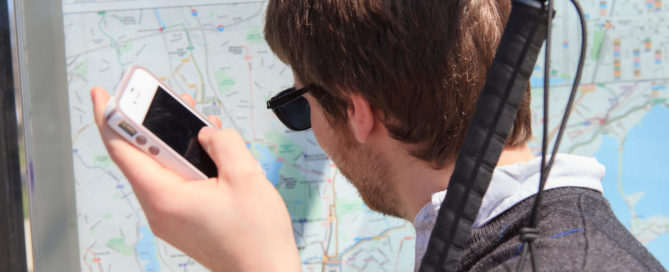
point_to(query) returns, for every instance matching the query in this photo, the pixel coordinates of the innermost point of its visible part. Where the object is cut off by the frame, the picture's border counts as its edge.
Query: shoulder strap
(506, 84)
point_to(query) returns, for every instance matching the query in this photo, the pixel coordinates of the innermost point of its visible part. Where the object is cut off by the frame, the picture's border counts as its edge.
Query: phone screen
(178, 127)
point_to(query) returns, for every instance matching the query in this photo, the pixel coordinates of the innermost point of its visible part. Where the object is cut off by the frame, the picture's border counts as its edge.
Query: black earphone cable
(529, 234)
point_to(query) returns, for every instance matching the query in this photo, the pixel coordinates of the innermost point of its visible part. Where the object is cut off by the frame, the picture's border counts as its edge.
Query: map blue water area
(269, 163)
(660, 249)
(659, 88)
(160, 20)
(536, 82)
(645, 160)
(644, 170)
(608, 156)
(146, 250)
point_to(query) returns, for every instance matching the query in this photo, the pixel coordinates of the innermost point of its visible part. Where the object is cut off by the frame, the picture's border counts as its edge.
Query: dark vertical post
(12, 239)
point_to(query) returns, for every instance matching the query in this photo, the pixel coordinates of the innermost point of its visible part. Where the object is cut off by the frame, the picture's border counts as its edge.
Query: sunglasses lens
(295, 114)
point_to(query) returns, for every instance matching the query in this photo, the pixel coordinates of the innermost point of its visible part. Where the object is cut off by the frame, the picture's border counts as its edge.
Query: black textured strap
(506, 84)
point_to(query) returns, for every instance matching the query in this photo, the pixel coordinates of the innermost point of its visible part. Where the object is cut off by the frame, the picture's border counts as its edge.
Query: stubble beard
(371, 174)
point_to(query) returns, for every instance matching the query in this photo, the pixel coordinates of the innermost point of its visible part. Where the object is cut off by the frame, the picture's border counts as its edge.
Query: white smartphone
(153, 118)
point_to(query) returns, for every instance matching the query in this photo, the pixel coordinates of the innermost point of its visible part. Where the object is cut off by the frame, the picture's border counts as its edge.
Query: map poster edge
(135, 5)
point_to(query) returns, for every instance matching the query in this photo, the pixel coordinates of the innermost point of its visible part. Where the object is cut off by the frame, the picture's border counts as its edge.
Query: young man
(391, 87)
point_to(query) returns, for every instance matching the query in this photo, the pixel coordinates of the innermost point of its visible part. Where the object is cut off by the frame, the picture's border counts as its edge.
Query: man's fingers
(100, 98)
(189, 99)
(145, 174)
(228, 150)
(215, 120)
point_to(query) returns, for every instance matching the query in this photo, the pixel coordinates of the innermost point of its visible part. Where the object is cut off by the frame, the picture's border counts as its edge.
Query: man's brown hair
(422, 62)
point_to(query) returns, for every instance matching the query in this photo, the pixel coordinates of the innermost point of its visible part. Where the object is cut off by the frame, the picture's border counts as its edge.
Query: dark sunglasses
(292, 108)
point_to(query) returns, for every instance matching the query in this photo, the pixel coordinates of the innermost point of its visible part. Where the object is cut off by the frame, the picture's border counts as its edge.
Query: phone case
(143, 139)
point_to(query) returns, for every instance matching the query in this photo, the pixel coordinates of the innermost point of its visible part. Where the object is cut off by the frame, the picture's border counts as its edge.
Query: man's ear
(361, 117)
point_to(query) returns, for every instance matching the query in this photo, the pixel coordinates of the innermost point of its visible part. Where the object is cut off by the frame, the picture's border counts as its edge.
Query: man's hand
(236, 222)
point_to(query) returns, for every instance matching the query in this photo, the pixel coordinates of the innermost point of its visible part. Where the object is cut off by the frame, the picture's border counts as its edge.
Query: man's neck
(418, 181)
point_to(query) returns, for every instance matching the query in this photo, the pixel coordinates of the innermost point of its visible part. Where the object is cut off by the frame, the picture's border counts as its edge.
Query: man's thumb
(228, 150)
(207, 139)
